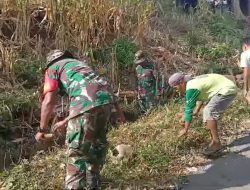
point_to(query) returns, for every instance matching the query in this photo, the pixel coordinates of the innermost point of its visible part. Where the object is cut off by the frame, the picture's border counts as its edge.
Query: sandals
(210, 151)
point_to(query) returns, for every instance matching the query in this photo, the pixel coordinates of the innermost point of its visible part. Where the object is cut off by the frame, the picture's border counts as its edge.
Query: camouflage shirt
(146, 78)
(85, 88)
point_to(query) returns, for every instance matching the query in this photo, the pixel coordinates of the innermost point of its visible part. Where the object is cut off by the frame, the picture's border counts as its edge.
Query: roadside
(230, 172)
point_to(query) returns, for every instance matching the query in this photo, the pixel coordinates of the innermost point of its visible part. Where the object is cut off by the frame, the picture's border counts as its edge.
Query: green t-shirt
(203, 88)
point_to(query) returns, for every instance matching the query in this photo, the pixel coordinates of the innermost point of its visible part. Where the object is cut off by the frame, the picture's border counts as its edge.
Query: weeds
(16, 104)
(227, 29)
(111, 31)
(158, 153)
(125, 50)
(28, 70)
(215, 51)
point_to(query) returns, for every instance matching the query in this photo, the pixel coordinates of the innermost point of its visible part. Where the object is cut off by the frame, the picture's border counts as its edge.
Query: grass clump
(125, 50)
(28, 71)
(227, 29)
(43, 172)
(15, 104)
(215, 52)
(12, 103)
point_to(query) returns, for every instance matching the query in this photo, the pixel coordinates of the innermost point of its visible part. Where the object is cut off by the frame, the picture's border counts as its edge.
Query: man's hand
(195, 115)
(60, 126)
(43, 136)
(183, 132)
(119, 114)
(196, 112)
(39, 136)
(121, 119)
(158, 97)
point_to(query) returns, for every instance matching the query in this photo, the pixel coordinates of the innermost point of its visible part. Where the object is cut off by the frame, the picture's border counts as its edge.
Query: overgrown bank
(199, 43)
(158, 158)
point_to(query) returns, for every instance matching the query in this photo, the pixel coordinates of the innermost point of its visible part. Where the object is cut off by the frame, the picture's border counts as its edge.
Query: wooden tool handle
(48, 135)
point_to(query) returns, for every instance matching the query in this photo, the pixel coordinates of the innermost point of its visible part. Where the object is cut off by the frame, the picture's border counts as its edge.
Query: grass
(85, 27)
(111, 32)
(18, 96)
(158, 155)
(28, 71)
(44, 172)
(153, 138)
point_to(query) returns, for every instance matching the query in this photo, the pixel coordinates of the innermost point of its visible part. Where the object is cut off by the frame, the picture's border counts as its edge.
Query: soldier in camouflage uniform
(146, 82)
(91, 101)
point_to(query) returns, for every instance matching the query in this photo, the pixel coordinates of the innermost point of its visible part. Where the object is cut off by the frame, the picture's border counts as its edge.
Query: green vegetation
(28, 70)
(157, 152)
(217, 39)
(111, 32)
(215, 52)
(227, 29)
(125, 50)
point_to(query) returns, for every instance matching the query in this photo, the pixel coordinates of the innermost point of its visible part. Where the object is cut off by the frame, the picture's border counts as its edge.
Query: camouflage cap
(139, 53)
(54, 55)
(139, 57)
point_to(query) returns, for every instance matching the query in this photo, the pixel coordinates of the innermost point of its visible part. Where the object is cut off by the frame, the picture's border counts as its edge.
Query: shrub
(29, 70)
(215, 52)
(125, 50)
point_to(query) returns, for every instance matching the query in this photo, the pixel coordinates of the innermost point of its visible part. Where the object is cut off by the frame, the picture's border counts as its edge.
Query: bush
(216, 67)
(125, 50)
(29, 70)
(227, 29)
(215, 52)
(195, 39)
(14, 104)
(102, 56)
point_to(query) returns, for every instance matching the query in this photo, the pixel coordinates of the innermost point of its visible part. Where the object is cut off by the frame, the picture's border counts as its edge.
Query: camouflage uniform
(146, 84)
(91, 100)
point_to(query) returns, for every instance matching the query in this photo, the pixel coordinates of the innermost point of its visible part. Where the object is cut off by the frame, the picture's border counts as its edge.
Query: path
(231, 172)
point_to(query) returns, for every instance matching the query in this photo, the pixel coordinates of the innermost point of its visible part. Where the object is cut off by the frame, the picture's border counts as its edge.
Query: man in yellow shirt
(215, 89)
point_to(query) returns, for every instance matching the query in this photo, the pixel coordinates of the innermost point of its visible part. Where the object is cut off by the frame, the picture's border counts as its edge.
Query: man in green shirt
(219, 93)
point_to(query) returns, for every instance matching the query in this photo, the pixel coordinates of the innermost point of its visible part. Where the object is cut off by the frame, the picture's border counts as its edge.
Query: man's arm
(244, 63)
(137, 81)
(191, 99)
(246, 76)
(197, 109)
(47, 108)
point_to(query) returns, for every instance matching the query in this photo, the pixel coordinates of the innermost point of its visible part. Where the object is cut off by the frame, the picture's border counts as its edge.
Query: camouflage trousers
(87, 146)
(147, 102)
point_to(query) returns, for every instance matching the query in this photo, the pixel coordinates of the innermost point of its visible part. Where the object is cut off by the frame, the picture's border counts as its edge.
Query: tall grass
(79, 25)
